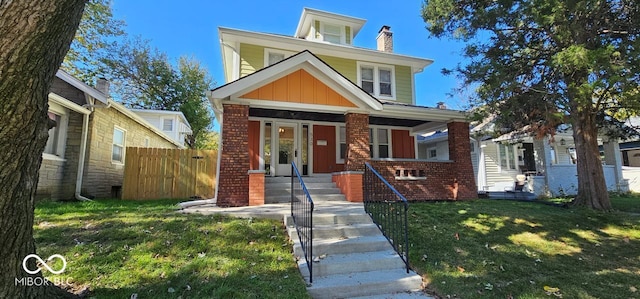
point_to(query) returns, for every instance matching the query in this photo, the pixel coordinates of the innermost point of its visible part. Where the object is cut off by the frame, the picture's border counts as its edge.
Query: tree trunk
(592, 187)
(35, 35)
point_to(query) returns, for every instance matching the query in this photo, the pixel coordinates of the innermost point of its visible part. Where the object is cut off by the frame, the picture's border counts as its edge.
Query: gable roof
(303, 60)
(96, 94)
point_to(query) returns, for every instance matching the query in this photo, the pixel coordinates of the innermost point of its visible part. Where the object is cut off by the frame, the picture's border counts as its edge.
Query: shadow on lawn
(121, 250)
(500, 249)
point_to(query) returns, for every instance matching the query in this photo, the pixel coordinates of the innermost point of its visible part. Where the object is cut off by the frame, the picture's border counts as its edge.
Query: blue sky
(189, 27)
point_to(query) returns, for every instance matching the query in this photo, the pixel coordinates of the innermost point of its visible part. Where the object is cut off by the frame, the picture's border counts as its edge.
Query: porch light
(281, 130)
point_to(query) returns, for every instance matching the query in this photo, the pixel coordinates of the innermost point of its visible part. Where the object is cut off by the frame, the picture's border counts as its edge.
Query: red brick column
(357, 127)
(350, 184)
(464, 183)
(233, 188)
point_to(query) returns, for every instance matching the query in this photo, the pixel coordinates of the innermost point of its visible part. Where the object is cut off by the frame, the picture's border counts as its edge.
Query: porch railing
(302, 214)
(388, 210)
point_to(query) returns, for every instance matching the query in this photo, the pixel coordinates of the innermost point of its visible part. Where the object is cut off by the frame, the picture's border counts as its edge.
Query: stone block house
(318, 100)
(84, 155)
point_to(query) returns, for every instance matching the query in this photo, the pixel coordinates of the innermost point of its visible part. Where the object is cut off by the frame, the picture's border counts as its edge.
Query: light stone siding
(102, 177)
(57, 180)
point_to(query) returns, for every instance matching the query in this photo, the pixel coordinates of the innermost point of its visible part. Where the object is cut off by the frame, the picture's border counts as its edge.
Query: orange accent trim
(299, 87)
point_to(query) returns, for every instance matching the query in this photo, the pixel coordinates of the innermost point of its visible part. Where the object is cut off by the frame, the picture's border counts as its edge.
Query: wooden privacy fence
(153, 173)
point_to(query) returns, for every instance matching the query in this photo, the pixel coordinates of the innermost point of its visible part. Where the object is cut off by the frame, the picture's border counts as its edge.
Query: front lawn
(506, 249)
(120, 248)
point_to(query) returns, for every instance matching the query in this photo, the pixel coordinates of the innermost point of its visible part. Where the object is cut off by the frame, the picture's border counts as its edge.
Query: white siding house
(172, 123)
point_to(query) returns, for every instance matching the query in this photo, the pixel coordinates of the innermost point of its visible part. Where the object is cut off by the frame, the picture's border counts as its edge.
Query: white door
(286, 148)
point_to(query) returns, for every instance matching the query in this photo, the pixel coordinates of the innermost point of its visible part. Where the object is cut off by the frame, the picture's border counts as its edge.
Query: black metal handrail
(388, 209)
(302, 214)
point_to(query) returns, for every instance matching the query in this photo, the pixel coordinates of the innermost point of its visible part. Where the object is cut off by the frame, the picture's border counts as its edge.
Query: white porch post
(613, 157)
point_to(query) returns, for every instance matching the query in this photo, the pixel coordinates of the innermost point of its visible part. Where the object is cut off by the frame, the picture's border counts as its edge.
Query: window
(167, 125)
(378, 143)
(432, 153)
(343, 143)
(378, 80)
(332, 33)
(117, 155)
(53, 143)
(273, 56)
(507, 157)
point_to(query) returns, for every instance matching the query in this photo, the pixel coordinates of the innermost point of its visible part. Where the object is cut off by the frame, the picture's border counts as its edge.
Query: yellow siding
(251, 59)
(403, 84)
(347, 31)
(346, 67)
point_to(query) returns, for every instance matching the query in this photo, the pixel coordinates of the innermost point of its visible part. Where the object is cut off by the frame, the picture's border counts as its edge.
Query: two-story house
(172, 123)
(318, 100)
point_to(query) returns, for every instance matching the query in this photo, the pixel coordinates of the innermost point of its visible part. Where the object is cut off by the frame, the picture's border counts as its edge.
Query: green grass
(504, 249)
(118, 248)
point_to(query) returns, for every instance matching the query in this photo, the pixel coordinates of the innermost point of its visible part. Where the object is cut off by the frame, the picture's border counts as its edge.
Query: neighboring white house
(549, 164)
(172, 123)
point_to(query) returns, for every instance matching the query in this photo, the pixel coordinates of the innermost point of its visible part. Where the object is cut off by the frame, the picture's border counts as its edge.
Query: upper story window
(332, 33)
(273, 56)
(167, 125)
(378, 80)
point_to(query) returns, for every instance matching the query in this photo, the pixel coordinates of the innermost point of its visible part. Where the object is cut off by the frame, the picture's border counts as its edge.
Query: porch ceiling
(331, 117)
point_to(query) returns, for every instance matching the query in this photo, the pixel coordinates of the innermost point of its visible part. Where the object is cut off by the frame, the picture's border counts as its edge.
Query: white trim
(51, 157)
(309, 16)
(230, 35)
(304, 60)
(341, 27)
(338, 143)
(376, 141)
(62, 128)
(376, 78)
(67, 104)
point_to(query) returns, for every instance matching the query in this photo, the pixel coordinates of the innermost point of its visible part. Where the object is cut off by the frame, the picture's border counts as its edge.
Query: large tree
(35, 36)
(544, 63)
(144, 77)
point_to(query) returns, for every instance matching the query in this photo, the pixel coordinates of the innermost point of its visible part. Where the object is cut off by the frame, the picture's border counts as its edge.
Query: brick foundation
(350, 184)
(256, 187)
(357, 127)
(233, 188)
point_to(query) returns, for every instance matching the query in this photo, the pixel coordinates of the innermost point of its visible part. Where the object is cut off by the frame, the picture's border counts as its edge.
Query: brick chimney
(102, 85)
(385, 39)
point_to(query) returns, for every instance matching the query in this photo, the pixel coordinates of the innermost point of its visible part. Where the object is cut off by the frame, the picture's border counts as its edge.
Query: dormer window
(332, 33)
(378, 80)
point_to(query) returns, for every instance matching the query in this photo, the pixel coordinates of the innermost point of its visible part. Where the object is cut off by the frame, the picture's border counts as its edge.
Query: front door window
(287, 148)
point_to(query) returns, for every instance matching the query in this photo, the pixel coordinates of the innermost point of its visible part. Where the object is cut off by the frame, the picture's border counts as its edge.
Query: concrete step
(354, 262)
(287, 186)
(364, 284)
(333, 219)
(336, 231)
(399, 295)
(312, 191)
(306, 179)
(315, 198)
(345, 245)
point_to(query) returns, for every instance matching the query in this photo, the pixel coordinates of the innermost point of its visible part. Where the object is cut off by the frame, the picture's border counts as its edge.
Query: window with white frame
(378, 80)
(117, 154)
(331, 33)
(273, 56)
(167, 125)
(54, 141)
(379, 143)
(342, 138)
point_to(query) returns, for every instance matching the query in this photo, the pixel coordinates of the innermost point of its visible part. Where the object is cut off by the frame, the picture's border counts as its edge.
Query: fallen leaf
(188, 287)
(457, 237)
(550, 289)
(460, 269)
(633, 289)
(171, 290)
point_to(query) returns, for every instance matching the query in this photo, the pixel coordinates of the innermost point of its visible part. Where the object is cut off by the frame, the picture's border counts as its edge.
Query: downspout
(83, 150)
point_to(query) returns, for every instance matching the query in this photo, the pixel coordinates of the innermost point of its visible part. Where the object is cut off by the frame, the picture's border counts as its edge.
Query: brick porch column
(357, 127)
(233, 188)
(464, 185)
